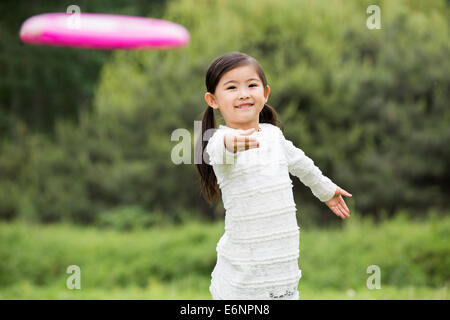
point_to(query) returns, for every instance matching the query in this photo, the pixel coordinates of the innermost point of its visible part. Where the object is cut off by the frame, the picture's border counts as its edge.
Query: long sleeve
(216, 150)
(301, 166)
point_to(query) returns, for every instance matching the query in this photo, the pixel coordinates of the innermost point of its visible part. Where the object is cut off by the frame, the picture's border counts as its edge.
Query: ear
(266, 93)
(211, 100)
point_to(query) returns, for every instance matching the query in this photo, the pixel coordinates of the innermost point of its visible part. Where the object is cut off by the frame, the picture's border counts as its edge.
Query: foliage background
(85, 134)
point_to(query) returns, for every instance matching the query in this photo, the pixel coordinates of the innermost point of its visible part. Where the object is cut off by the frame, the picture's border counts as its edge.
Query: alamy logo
(373, 282)
(373, 21)
(74, 20)
(73, 281)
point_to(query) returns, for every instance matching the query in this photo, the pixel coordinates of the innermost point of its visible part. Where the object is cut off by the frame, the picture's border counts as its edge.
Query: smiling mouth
(246, 106)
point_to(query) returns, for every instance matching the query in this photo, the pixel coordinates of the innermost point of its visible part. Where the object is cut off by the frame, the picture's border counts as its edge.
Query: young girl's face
(239, 86)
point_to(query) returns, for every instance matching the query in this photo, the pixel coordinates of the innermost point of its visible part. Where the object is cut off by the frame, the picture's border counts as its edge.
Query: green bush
(129, 218)
(370, 107)
(409, 253)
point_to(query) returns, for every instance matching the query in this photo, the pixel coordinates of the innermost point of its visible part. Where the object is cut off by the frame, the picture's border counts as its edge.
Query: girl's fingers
(245, 143)
(341, 213)
(344, 212)
(343, 204)
(347, 213)
(243, 138)
(345, 193)
(246, 139)
(336, 211)
(242, 142)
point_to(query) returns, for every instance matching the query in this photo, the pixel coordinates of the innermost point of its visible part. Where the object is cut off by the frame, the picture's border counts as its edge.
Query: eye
(253, 84)
(232, 87)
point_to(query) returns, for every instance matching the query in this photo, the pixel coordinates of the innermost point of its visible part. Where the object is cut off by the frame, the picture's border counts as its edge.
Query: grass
(175, 262)
(197, 290)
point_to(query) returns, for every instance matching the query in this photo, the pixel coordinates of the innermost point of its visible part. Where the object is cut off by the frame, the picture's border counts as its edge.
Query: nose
(243, 93)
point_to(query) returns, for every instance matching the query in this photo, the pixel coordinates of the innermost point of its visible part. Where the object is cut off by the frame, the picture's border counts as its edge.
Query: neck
(239, 126)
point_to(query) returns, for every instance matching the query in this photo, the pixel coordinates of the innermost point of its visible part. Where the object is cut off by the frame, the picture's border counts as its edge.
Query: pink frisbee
(103, 31)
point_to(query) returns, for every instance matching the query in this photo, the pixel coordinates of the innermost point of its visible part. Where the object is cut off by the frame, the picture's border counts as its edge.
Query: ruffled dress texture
(257, 256)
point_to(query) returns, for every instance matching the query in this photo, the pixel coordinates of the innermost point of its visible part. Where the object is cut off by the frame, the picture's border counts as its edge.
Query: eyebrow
(251, 79)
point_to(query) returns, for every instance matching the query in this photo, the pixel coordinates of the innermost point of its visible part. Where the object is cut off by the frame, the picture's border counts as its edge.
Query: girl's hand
(337, 204)
(239, 141)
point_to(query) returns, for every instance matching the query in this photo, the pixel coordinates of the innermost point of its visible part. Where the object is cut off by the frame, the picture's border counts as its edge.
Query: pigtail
(269, 115)
(210, 189)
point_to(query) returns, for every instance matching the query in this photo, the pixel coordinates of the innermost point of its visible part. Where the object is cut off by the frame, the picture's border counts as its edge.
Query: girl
(250, 160)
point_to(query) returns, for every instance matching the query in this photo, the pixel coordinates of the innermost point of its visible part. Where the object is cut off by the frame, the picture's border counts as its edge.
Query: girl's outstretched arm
(301, 166)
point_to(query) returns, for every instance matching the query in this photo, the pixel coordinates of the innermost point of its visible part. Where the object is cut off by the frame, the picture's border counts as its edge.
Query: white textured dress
(257, 256)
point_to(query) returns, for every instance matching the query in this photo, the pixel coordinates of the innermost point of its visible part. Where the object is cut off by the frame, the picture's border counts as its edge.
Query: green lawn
(197, 290)
(176, 262)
